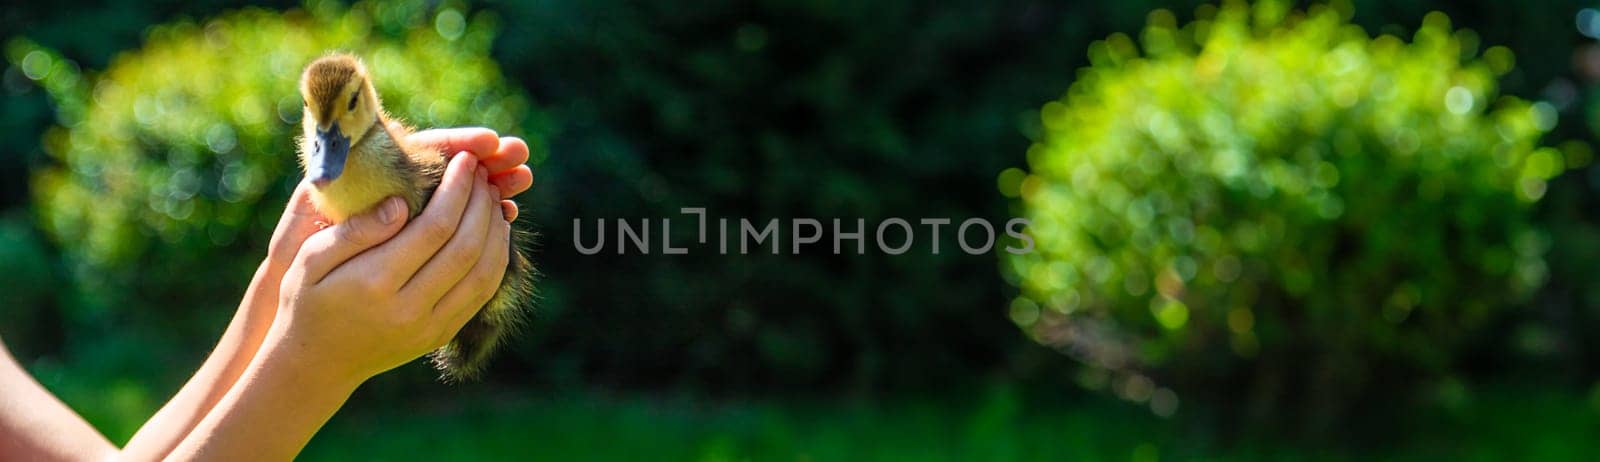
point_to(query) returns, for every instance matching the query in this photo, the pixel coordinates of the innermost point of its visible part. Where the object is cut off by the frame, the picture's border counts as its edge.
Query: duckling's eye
(353, 97)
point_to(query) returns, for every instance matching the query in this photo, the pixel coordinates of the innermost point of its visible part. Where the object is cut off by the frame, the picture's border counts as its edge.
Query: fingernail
(390, 211)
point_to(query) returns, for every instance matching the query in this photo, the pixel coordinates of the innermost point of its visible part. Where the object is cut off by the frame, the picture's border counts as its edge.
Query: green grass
(1503, 424)
(599, 427)
(390, 420)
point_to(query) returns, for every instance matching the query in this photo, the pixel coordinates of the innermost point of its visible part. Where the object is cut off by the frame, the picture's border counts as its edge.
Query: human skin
(263, 361)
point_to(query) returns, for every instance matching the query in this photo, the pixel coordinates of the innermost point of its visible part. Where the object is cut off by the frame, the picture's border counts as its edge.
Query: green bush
(168, 168)
(1273, 200)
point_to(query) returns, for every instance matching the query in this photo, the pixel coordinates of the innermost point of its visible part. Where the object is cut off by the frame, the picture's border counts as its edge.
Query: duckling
(356, 155)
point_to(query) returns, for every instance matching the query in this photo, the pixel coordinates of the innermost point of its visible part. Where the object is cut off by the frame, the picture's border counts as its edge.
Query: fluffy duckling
(356, 155)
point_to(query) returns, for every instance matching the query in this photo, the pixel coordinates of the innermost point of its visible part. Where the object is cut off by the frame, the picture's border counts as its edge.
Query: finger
(509, 210)
(327, 249)
(299, 221)
(457, 257)
(399, 259)
(479, 141)
(511, 153)
(513, 182)
(479, 286)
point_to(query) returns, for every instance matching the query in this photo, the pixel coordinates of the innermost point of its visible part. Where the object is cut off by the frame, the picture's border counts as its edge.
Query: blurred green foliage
(30, 288)
(1274, 200)
(781, 110)
(171, 166)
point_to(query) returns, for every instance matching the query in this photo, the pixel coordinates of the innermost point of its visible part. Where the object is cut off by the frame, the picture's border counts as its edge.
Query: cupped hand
(372, 293)
(505, 159)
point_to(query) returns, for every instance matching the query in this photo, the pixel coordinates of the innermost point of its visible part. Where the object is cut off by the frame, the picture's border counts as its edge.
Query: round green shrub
(169, 167)
(1273, 200)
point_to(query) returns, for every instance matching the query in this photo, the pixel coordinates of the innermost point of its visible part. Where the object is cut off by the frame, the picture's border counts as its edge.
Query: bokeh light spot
(36, 65)
(450, 24)
(1458, 100)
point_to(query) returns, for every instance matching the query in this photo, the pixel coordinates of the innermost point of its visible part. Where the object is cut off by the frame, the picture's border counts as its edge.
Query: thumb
(331, 247)
(299, 221)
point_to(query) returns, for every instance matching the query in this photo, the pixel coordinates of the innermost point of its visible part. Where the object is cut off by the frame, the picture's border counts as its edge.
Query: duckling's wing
(422, 164)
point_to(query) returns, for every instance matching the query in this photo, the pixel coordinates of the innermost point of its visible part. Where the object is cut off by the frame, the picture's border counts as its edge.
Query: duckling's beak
(327, 156)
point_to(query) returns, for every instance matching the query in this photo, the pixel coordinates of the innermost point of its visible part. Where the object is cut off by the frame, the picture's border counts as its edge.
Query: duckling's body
(378, 164)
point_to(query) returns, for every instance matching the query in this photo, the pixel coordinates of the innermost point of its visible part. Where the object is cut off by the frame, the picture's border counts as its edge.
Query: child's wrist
(287, 355)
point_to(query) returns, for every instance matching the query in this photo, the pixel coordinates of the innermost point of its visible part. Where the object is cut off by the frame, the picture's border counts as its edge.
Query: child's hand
(330, 308)
(505, 157)
(357, 303)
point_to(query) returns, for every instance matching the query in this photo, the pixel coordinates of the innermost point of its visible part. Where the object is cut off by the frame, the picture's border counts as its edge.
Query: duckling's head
(340, 107)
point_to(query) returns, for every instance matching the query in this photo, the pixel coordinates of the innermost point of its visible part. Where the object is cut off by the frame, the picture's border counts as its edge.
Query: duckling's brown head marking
(340, 107)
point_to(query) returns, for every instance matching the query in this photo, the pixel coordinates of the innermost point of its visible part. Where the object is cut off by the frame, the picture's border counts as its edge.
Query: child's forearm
(34, 425)
(221, 370)
(273, 410)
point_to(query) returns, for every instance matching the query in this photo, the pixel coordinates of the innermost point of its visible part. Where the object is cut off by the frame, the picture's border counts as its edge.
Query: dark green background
(844, 110)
